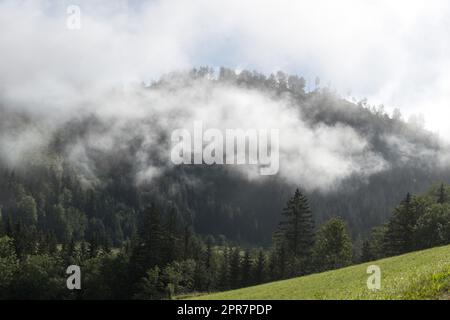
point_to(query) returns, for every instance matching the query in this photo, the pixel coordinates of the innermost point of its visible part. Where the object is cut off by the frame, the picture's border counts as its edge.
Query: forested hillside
(64, 169)
(96, 188)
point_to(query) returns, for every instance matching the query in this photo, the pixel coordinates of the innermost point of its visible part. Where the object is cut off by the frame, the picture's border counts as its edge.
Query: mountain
(109, 157)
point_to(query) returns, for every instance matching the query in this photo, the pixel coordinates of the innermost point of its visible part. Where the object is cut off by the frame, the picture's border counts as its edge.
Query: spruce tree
(68, 252)
(281, 262)
(171, 237)
(52, 242)
(8, 226)
(106, 245)
(373, 247)
(246, 269)
(235, 268)
(297, 231)
(399, 233)
(366, 252)
(147, 251)
(208, 253)
(84, 251)
(93, 246)
(259, 275)
(2, 228)
(187, 235)
(272, 268)
(441, 195)
(224, 270)
(21, 243)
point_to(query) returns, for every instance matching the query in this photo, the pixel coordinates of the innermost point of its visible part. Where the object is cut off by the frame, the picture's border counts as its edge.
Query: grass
(417, 275)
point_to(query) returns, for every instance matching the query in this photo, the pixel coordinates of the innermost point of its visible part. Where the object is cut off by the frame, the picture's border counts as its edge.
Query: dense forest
(165, 259)
(208, 228)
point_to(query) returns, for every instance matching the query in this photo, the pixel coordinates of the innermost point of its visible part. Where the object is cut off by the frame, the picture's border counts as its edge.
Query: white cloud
(394, 52)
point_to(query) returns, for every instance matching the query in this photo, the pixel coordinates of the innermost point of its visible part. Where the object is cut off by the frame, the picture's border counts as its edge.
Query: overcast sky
(392, 52)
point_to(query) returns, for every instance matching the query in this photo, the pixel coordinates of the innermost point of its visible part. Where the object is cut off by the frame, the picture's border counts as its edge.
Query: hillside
(100, 190)
(351, 159)
(419, 275)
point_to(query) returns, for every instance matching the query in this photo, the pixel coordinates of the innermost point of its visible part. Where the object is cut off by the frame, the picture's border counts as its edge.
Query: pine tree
(246, 268)
(171, 237)
(52, 243)
(366, 252)
(21, 241)
(224, 270)
(9, 265)
(147, 251)
(235, 270)
(27, 210)
(8, 226)
(259, 275)
(68, 251)
(202, 277)
(272, 269)
(93, 246)
(187, 242)
(297, 231)
(2, 227)
(84, 250)
(208, 253)
(373, 248)
(280, 260)
(42, 246)
(106, 245)
(399, 233)
(442, 195)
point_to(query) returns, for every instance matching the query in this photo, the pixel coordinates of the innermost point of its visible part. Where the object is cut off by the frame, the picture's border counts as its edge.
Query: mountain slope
(418, 275)
(351, 159)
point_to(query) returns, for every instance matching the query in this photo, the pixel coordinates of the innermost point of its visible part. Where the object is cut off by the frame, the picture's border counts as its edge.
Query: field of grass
(418, 275)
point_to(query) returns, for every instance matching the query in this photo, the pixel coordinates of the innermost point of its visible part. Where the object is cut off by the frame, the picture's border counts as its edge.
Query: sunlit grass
(418, 275)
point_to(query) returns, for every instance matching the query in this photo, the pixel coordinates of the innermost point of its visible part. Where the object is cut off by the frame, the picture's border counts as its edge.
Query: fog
(396, 54)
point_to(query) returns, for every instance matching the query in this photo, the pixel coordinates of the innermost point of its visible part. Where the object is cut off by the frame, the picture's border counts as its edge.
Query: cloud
(395, 53)
(137, 124)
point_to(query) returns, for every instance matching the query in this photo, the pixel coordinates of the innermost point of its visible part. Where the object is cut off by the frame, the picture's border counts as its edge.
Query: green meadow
(417, 275)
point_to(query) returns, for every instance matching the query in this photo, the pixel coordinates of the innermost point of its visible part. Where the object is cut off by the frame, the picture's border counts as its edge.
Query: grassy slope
(418, 275)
